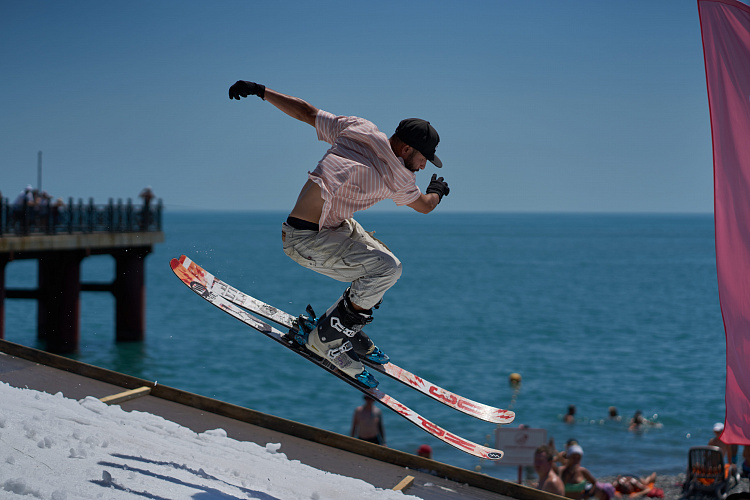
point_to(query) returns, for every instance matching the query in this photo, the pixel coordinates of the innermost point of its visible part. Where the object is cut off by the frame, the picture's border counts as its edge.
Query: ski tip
(505, 416)
(177, 261)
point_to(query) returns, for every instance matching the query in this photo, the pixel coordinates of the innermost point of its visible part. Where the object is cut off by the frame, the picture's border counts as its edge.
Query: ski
(448, 398)
(199, 285)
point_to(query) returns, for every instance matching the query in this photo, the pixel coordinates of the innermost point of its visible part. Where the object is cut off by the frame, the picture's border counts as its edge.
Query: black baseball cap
(422, 136)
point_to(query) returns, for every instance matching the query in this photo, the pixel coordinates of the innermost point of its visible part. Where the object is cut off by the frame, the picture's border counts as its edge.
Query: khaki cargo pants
(345, 253)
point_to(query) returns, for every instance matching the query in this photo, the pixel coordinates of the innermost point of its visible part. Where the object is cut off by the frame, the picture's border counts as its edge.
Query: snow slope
(56, 448)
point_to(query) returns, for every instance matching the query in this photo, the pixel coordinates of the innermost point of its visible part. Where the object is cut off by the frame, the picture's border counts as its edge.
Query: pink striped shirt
(359, 170)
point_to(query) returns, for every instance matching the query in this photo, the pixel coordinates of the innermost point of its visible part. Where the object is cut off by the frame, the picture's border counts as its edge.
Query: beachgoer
(734, 453)
(637, 422)
(362, 167)
(22, 206)
(602, 491)
(425, 451)
(570, 417)
(613, 415)
(726, 450)
(561, 456)
(637, 486)
(42, 204)
(549, 481)
(577, 478)
(367, 423)
(146, 195)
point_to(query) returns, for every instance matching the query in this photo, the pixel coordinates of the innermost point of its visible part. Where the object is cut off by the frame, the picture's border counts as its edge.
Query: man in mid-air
(362, 167)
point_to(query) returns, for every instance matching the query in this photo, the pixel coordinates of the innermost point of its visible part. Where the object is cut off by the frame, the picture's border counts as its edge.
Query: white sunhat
(575, 449)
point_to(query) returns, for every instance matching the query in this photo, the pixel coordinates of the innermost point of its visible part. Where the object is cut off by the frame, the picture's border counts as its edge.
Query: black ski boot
(365, 348)
(361, 343)
(337, 337)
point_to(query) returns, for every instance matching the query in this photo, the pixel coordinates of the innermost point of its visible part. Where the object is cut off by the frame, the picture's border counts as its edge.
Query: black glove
(439, 187)
(244, 89)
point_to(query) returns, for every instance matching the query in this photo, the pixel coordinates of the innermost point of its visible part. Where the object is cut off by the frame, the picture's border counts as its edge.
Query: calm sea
(591, 310)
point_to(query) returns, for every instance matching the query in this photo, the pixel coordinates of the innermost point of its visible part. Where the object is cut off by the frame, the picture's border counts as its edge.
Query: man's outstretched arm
(292, 106)
(427, 202)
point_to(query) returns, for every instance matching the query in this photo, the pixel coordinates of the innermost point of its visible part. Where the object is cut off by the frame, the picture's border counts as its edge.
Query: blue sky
(542, 106)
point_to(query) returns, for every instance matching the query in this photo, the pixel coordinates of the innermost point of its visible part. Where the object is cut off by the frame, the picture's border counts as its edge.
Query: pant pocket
(299, 252)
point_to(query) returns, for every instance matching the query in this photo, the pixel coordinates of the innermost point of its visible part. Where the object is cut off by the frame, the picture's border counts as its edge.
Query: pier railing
(79, 217)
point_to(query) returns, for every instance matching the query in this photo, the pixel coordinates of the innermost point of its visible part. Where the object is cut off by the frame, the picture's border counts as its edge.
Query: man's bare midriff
(309, 204)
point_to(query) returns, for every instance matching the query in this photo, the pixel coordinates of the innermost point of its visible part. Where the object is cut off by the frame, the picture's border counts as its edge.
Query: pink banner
(725, 28)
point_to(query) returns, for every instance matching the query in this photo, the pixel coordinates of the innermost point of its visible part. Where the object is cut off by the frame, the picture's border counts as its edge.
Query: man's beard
(409, 161)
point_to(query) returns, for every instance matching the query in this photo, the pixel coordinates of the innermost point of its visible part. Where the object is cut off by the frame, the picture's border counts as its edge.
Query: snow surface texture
(56, 448)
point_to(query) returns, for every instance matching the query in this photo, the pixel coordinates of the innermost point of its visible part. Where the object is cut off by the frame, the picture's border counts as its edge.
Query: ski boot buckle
(338, 351)
(366, 379)
(303, 325)
(377, 356)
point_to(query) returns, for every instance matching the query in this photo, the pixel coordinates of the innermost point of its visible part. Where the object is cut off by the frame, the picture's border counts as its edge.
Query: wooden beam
(126, 396)
(97, 287)
(405, 483)
(24, 247)
(21, 293)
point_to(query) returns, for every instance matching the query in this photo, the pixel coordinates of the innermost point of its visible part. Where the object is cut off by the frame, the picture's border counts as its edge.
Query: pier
(59, 237)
